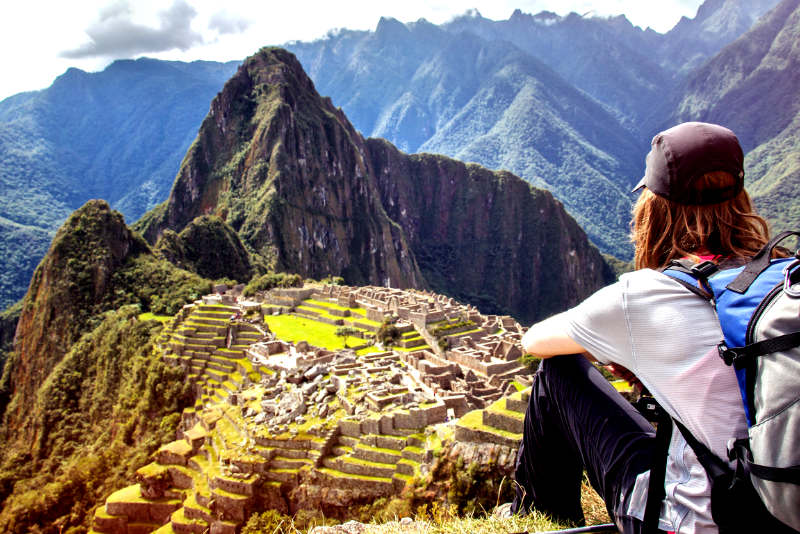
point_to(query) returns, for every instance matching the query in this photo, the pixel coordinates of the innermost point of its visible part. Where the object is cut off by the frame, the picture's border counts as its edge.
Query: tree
(345, 332)
(388, 334)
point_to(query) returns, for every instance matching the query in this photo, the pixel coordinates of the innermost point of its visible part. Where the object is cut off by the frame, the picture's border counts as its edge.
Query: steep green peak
(67, 287)
(249, 137)
(95, 234)
(209, 247)
(276, 66)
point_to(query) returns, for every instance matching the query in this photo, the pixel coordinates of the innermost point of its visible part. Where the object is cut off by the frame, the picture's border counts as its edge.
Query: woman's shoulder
(642, 276)
(650, 281)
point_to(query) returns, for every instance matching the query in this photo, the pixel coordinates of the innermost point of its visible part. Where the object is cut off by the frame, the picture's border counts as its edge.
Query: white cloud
(115, 33)
(226, 23)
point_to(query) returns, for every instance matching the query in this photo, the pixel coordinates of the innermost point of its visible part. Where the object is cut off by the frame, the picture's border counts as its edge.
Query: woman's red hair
(663, 230)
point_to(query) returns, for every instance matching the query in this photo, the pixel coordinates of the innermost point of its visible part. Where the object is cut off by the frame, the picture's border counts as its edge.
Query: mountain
(209, 247)
(584, 50)
(118, 135)
(306, 192)
(95, 263)
(426, 89)
(82, 400)
(277, 177)
(717, 23)
(530, 94)
(751, 87)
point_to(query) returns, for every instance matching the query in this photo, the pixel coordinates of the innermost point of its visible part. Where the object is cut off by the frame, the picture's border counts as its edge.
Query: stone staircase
(201, 482)
(372, 459)
(500, 423)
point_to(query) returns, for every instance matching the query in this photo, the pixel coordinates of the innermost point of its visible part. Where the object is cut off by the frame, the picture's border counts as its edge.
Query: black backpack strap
(741, 452)
(741, 357)
(695, 273)
(790, 475)
(757, 264)
(715, 467)
(656, 491)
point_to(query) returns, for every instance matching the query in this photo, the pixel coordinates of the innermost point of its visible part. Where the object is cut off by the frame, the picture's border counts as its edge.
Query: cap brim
(640, 185)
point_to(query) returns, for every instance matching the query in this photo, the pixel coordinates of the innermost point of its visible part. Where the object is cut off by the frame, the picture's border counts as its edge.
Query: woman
(693, 204)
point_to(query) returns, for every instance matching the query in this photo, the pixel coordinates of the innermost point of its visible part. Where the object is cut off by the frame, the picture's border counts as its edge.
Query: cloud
(225, 23)
(115, 34)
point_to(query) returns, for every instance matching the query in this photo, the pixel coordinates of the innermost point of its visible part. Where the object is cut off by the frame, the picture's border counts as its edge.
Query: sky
(40, 39)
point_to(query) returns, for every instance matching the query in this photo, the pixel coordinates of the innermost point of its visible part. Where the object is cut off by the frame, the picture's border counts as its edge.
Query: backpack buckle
(704, 269)
(789, 270)
(728, 356)
(650, 409)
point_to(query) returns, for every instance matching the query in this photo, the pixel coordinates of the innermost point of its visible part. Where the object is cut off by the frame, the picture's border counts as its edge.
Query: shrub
(270, 522)
(388, 334)
(272, 280)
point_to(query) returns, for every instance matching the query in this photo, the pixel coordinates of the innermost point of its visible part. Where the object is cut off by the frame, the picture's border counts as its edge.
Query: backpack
(758, 306)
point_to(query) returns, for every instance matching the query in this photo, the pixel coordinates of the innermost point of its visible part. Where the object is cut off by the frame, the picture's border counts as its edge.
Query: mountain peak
(389, 27)
(546, 17)
(71, 280)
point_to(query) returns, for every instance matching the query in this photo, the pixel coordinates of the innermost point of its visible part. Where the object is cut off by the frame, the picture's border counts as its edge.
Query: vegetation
(105, 407)
(84, 399)
(49, 169)
(530, 361)
(388, 334)
(8, 327)
(156, 286)
(269, 281)
(294, 329)
(208, 247)
(383, 517)
(21, 248)
(443, 329)
(345, 332)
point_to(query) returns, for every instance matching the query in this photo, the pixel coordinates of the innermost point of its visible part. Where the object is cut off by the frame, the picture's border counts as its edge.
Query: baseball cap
(685, 152)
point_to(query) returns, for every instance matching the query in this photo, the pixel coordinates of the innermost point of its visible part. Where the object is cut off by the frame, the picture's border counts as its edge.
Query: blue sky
(40, 39)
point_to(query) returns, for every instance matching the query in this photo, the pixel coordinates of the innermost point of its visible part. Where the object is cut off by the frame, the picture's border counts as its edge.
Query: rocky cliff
(486, 237)
(306, 192)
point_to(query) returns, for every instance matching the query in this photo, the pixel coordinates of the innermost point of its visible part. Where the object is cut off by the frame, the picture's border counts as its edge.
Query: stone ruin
(288, 425)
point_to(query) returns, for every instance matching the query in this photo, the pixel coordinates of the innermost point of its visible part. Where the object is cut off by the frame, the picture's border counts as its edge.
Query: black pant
(576, 420)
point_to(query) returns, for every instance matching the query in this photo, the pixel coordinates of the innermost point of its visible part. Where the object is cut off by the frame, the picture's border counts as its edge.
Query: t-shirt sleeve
(599, 325)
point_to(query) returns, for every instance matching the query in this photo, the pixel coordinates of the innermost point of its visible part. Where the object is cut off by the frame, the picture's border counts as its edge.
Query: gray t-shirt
(668, 338)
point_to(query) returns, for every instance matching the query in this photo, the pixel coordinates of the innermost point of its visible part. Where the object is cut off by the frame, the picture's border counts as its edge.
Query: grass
(474, 420)
(150, 316)
(331, 305)
(293, 329)
(443, 523)
(622, 386)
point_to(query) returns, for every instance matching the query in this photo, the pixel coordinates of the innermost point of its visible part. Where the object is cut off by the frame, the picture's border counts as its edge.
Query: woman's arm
(549, 338)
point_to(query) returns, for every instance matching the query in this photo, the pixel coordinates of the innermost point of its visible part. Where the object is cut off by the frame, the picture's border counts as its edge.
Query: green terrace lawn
(150, 316)
(293, 329)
